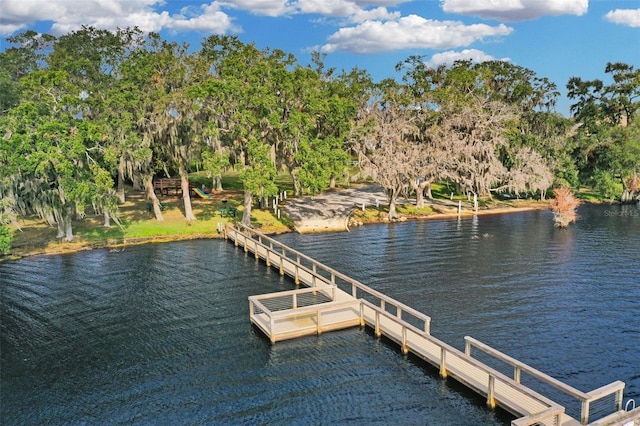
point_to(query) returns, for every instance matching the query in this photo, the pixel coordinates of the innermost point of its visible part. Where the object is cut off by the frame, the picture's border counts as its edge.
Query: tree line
(83, 114)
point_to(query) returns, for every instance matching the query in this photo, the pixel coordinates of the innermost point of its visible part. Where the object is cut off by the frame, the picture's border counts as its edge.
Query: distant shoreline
(310, 226)
(304, 226)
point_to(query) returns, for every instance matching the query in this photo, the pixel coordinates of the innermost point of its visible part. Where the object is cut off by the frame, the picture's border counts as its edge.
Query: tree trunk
(107, 219)
(217, 182)
(427, 190)
(297, 190)
(60, 225)
(246, 214)
(67, 229)
(151, 195)
(420, 189)
(332, 183)
(419, 197)
(393, 197)
(139, 182)
(63, 222)
(186, 197)
(121, 167)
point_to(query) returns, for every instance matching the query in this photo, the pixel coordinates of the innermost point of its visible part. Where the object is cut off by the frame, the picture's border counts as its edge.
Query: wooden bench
(164, 185)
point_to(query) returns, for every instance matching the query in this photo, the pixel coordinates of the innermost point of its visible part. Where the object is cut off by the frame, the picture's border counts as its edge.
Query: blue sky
(557, 39)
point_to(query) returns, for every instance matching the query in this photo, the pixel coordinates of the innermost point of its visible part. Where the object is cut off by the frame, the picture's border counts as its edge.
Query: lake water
(160, 333)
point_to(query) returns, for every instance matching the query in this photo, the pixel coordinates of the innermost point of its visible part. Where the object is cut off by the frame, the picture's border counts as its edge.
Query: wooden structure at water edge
(329, 300)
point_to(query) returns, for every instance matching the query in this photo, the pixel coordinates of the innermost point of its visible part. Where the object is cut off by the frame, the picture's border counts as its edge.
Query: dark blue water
(160, 334)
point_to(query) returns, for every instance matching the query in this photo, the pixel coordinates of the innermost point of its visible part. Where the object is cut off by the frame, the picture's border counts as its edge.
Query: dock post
(443, 363)
(403, 347)
(318, 319)
(584, 415)
(491, 400)
(619, 398)
(272, 331)
(282, 257)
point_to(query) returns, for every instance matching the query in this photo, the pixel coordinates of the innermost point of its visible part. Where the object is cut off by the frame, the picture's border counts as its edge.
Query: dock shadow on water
(161, 333)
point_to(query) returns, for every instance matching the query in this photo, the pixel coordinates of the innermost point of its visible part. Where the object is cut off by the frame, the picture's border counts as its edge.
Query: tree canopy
(83, 114)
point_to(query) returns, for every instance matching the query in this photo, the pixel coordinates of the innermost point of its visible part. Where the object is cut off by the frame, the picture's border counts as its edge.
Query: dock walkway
(331, 300)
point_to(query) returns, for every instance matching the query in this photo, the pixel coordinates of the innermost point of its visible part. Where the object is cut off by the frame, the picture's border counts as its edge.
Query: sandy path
(330, 210)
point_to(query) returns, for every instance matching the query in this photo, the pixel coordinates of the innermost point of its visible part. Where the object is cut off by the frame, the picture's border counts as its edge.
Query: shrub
(5, 239)
(564, 206)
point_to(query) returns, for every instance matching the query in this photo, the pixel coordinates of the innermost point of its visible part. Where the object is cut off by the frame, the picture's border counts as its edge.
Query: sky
(557, 39)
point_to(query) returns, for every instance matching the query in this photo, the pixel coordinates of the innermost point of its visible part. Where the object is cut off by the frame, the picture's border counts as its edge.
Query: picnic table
(227, 211)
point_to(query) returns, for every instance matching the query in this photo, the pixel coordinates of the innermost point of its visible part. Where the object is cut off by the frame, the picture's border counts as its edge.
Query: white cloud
(212, 19)
(332, 8)
(355, 11)
(630, 17)
(449, 57)
(515, 10)
(409, 32)
(260, 7)
(70, 15)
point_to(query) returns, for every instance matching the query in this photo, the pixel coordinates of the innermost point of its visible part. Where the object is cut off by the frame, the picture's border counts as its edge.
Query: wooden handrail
(476, 363)
(261, 306)
(333, 273)
(585, 398)
(606, 390)
(570, 390)
(555, 411)
(291, 292)
(313, 308)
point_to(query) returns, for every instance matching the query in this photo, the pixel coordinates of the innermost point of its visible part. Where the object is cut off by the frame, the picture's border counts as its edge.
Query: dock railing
(303, 268)
(499, 388)
(586, 399)
(268, 310)
(411, 325)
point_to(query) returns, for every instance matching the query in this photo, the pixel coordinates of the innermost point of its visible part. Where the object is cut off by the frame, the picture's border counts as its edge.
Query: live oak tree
(321, 107)
(25, 52)
(50, 149)
(175, 113)
(245, 81)
(91, 58)
(385, 143)
(606, 139)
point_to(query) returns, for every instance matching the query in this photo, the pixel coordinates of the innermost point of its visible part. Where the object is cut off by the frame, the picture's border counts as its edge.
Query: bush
(6, 236)
(607, 185)
(564, 207)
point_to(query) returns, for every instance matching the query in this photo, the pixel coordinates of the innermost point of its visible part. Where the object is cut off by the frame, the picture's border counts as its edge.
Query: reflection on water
(161, 334)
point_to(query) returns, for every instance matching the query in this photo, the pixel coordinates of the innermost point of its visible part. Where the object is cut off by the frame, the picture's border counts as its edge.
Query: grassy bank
(138, 226)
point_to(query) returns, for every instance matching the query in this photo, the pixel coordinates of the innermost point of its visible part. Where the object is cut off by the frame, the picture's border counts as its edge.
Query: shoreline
(304, 226)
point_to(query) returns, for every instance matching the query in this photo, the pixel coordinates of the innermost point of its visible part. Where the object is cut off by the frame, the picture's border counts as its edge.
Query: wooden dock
(331, 300)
